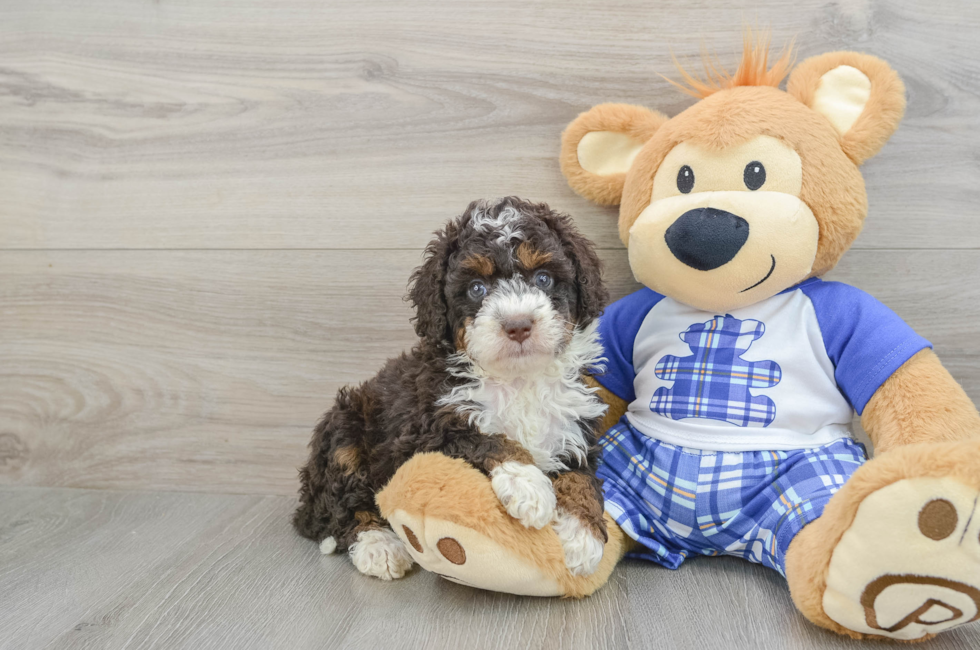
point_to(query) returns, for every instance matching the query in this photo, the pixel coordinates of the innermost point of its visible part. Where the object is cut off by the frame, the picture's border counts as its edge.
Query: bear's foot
(896, 553)
(453, 524)
(909, 565)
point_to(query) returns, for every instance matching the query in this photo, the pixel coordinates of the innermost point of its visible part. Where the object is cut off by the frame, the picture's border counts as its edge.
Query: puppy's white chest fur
(540, 413)
(543, 412)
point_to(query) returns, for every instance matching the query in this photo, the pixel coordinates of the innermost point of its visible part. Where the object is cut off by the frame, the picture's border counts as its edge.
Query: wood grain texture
(304, 123)
(725, 603)
(85, 569)
(206, 370)
(208, 211)
(102, 569)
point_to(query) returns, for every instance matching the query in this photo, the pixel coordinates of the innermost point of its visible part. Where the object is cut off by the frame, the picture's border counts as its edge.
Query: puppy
(506, 301)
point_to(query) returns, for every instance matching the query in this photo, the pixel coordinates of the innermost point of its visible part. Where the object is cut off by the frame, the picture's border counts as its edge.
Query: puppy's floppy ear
(863, 98)
(426, 289)
(592, 294)
(598, 148)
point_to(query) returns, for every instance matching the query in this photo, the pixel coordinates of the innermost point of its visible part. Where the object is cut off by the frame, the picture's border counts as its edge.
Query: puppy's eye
(543, 280)
(685, 179)
(754, 175)
(477, 290)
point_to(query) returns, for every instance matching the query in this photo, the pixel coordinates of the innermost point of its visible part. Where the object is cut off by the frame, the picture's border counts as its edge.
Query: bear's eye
(685, 179)
(754, 175)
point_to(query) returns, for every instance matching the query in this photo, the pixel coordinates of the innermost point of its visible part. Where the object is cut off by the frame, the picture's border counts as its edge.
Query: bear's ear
(599, 146)
(863, 98)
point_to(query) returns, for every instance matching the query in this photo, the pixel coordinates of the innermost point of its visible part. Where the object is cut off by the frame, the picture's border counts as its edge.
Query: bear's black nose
(706, 238)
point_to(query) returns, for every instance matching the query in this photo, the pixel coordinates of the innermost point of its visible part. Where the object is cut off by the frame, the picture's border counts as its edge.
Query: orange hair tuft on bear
(753, 69)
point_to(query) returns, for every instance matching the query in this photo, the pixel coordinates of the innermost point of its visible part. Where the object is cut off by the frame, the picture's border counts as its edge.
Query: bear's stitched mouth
(771, 269)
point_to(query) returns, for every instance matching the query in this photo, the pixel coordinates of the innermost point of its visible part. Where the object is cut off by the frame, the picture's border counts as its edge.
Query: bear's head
(752, 189)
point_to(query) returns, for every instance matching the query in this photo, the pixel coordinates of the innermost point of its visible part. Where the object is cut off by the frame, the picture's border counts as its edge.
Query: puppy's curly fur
(452, 391)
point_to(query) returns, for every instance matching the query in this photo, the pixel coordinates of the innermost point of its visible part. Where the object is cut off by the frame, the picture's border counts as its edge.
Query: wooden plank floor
(108, 569)
(208, 212)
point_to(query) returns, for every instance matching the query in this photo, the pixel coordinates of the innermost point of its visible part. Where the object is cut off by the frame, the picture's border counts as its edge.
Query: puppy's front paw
(381, 554)
(525, 492)
(582, 550)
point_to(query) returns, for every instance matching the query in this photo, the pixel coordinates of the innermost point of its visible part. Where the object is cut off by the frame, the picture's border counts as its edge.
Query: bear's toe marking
(452, 550)
(412, 539)
(888, 592)
(938, 519)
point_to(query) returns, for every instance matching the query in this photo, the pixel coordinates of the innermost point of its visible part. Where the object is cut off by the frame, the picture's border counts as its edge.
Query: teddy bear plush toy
(733, 374)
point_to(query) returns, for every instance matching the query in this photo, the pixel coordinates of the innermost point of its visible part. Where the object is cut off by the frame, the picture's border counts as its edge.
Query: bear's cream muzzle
(718, 251)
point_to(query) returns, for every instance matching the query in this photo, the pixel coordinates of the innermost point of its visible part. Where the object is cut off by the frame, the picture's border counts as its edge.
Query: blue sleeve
(866, 341)
(618, 326)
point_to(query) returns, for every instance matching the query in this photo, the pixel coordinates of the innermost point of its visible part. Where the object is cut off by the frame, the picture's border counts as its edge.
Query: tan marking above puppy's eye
(530, 257)
(479, 264)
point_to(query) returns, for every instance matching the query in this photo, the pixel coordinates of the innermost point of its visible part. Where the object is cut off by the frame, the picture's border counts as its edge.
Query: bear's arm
(920, 402)
(617, 405)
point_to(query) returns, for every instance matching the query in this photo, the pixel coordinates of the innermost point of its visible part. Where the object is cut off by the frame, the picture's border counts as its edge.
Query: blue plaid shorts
(676, 501)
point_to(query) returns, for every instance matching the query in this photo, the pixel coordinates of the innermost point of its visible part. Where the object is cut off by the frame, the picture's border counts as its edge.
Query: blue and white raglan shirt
(784, 373)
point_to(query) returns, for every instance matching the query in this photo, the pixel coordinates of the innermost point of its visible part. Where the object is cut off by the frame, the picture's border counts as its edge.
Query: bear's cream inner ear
(841, 96)
(605, 153)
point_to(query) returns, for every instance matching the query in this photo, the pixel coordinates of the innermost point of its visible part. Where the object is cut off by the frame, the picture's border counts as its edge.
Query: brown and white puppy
(506, 302)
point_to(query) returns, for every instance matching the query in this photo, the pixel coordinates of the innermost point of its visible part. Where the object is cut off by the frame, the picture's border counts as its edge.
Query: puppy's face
(517, 280)
(511, 300)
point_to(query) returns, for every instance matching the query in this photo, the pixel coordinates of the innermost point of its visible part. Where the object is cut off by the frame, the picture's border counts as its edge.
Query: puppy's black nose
(706, 238)
(518, 329)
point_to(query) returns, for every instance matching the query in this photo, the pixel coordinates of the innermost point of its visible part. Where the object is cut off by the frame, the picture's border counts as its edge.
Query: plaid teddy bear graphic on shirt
(714, 382)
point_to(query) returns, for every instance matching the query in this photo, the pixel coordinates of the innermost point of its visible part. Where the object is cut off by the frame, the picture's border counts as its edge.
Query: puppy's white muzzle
(516, 331)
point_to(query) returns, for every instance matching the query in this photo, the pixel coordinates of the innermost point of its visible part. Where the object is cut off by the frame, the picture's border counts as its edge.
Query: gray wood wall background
(208, 213)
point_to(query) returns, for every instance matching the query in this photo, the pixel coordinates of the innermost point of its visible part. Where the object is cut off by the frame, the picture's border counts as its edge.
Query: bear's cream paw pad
(909, 565)
(525, 492)
(582, 550)
(464, 556)
(381, 554)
